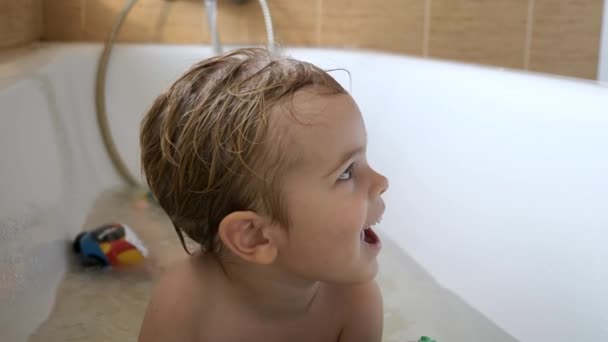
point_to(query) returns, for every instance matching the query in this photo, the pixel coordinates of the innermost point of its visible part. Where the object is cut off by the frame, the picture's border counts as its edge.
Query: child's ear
(246, 234)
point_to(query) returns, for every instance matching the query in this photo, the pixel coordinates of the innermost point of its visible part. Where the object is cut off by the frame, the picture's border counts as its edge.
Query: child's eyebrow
(346, 157)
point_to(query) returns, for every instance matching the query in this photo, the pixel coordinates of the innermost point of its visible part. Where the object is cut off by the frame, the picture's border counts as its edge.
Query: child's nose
(384, 184)
(380, 184)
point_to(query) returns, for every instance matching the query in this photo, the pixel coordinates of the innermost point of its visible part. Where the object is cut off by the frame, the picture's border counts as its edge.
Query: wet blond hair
(206, 143)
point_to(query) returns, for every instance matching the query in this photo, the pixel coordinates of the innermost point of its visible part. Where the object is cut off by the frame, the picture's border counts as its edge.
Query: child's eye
(347, 174)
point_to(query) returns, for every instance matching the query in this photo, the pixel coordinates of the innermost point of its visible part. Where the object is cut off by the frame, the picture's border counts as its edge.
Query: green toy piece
(426, 339)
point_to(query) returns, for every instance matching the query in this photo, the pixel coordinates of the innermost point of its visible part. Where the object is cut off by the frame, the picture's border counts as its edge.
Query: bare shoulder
(172, 309)
(363, 319)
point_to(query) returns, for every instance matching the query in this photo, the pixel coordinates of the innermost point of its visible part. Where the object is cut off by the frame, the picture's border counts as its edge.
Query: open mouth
(369, 236)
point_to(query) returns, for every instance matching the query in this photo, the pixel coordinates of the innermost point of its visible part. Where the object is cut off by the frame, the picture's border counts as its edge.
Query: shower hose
(100, 82)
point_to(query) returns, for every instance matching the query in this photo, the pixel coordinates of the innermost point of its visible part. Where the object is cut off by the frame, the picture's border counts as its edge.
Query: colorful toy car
(111, 245)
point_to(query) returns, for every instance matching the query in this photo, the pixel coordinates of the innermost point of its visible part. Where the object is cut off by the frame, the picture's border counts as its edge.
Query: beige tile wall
(20, 22)
(566, 37)
(390, 25)
(555, 36)
(487, 32)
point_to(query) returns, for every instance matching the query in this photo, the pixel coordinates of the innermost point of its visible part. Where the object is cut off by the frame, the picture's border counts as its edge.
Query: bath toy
(426, 339)
(110, 245)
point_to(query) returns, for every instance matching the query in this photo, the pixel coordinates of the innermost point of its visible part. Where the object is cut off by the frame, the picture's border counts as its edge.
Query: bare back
(191, 303)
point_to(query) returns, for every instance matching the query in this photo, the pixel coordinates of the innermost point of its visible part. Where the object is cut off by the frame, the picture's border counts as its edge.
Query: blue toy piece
(109, 245)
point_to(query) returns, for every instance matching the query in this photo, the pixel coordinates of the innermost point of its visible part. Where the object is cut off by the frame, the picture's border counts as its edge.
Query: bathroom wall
(603, 72)
(20, 22)
(555, 36)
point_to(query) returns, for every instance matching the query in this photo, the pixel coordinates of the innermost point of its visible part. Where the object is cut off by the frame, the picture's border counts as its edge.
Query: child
(261, 160)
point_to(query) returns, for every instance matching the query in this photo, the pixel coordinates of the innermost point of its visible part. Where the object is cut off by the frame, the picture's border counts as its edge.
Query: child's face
(332, 194)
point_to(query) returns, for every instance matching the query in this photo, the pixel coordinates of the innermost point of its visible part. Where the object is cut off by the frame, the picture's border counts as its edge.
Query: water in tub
(96, 305)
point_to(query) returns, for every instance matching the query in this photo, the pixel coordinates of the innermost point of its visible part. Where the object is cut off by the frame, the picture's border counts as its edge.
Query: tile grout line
(319, 23)
(39, 21)
(602, 65)
(529, 33)
(42, 21)
(426, 28)
(83, 12)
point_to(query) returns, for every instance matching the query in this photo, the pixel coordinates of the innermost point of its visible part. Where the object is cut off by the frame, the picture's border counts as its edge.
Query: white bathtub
(499, 179)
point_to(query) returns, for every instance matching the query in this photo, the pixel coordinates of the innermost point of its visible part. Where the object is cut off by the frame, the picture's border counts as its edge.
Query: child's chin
(372, 270)
(366, 274)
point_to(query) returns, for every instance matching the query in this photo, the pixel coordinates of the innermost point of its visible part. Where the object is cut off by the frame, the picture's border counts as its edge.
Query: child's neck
(267, 289)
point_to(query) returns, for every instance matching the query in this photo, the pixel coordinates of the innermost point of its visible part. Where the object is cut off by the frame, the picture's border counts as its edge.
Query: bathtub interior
(497, 194)
(109, 306)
